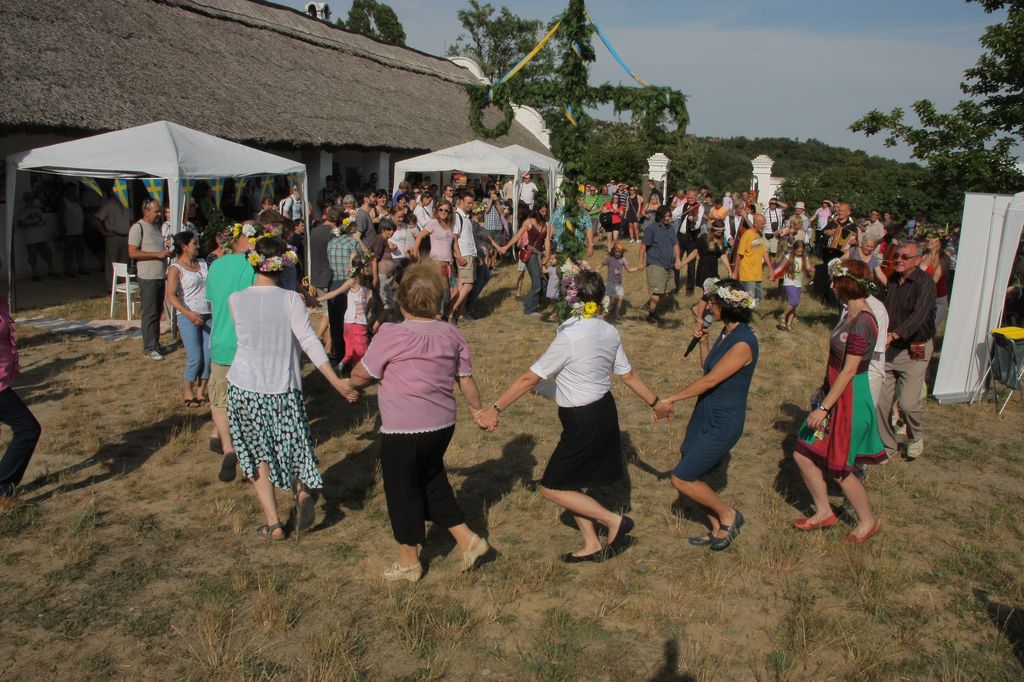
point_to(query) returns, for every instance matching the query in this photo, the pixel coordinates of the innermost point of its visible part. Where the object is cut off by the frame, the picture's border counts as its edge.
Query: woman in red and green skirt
(842, 429)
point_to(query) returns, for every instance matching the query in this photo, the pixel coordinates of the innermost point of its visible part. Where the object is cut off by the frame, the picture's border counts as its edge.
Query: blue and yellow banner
(120, 190)
(267, 188)
(217, 185)
(92, 184)
(187, 185)
(239, 189)
(155, 187)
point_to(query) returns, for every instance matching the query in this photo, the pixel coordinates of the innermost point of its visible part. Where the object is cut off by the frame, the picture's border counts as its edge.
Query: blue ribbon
(615, 54)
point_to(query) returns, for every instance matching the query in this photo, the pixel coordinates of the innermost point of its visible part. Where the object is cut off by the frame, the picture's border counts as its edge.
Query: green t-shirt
(228, 274)
(595, 203)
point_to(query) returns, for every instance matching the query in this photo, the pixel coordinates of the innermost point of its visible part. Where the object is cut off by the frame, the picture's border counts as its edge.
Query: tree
(376, 20)
(497, 42)
(970, 148)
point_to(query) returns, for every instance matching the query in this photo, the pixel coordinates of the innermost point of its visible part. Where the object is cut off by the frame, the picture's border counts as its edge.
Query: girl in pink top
(14, 413)
(416, 363)
(356, 324)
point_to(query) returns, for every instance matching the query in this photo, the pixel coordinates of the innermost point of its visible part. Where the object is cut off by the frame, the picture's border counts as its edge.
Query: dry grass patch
(134, 562)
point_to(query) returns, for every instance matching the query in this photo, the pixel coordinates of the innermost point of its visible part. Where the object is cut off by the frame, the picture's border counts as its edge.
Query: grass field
(134, 562)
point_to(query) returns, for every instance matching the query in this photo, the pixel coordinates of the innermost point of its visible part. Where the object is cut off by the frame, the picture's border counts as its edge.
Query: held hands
(662, 410)
(487, 419)
(344, 387)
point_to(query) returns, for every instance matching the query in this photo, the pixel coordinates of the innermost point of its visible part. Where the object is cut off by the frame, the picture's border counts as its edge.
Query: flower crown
(729, 297)
(339, 230)
(250, 230)
(590, 309)
(361, 261)
(274, 263)
(837, 269)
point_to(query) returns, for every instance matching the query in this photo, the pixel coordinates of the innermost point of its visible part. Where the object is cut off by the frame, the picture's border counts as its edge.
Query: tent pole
(305, 220)
(12, 185)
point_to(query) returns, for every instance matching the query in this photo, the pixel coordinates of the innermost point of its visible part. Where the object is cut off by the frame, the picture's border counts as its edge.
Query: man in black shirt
(910, 302)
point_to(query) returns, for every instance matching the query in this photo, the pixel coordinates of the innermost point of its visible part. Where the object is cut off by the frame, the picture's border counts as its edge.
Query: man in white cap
(527, 191)
(801, 211)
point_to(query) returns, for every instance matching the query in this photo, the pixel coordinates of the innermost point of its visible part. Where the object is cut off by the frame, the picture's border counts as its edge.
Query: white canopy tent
(990, 235)
(155, 150)
(480, 157)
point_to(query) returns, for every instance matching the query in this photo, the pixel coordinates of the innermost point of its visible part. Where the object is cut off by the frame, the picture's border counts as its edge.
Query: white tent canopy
(990, 234)
(155, 150)
(479, 157)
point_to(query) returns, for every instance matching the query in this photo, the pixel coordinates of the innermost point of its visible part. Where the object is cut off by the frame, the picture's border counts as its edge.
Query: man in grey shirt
(364, 223)
(146, 247)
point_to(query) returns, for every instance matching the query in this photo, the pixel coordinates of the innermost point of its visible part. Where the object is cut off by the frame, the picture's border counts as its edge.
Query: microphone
(705, 322)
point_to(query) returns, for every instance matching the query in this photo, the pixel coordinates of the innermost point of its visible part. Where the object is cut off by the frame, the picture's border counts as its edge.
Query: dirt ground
(133, 562)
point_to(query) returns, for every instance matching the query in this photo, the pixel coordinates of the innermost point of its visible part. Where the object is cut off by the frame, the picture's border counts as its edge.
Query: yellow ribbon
(533, 53)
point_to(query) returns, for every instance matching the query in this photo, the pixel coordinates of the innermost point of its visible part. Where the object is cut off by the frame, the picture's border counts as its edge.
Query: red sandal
(806, 524)
(852, 539)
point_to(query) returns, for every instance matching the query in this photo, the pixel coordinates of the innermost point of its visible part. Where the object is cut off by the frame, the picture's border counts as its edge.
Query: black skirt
(588, 454)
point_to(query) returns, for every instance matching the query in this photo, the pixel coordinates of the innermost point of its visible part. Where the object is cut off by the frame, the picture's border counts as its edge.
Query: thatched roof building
(244, 70)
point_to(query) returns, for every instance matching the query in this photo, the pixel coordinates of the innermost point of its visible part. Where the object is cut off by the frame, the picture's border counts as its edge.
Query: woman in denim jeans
(186, 291)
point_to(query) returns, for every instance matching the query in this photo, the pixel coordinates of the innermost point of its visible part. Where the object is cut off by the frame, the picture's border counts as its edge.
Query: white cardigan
(272, 326)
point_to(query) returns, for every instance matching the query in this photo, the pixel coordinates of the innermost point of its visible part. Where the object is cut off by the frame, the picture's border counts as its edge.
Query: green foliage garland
(651, 107)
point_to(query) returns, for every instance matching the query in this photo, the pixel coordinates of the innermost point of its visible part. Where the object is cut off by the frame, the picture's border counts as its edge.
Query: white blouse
(583, 356)
(272, 327)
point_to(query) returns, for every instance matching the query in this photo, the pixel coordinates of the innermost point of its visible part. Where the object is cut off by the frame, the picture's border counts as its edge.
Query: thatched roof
(244, 70)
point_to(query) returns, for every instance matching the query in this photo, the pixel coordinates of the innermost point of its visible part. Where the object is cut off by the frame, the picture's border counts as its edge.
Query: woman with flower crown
(841, 431)
(717, 420)
(584, 354)
(266, 415)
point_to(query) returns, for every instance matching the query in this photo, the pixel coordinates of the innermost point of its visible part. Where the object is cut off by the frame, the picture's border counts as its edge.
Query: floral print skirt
(273, 428)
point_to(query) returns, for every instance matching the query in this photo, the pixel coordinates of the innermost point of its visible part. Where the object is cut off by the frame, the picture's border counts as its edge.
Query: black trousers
(151, 295)
(416, 484)
(15, 414)
(687, 243)
(336, 316)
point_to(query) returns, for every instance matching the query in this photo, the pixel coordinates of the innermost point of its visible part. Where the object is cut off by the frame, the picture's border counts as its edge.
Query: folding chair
(128, 287)
(1007, 362)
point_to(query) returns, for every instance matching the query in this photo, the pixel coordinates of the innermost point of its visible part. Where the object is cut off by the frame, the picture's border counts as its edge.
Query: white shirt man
(291, 207)
(464, 251)
(527, 190)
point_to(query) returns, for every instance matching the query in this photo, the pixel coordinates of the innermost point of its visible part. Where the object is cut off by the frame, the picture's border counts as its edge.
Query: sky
(788, 68)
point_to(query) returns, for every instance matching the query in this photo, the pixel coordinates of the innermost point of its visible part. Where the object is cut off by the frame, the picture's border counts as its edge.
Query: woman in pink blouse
(416, 363)
(14, 413)
(439, 230)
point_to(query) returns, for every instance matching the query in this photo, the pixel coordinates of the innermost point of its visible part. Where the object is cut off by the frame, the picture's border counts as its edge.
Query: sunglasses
(442, 210)
(905, 256)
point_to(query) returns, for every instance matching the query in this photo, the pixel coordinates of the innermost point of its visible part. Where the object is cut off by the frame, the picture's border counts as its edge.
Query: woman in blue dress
(717, 420)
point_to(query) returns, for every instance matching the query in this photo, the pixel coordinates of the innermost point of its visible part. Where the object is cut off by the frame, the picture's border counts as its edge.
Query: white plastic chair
(128, 288)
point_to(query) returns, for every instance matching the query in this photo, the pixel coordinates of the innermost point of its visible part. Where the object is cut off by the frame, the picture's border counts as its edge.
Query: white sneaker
(901, 429)
(915, 449)
(395, 572)
(154, 355)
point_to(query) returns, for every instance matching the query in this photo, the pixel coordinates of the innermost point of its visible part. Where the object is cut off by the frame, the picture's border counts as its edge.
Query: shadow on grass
(484, 485)
(491, 298)
(349, 481)
(669, 670)
(788, 481)
(34, 385)
(119, 458)
(488, 482)
(1008, 620)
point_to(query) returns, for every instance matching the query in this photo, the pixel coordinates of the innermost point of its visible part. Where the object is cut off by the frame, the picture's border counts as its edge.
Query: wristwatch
(818, 406)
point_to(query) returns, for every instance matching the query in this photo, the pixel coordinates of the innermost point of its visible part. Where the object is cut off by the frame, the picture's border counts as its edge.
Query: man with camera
(775, 219)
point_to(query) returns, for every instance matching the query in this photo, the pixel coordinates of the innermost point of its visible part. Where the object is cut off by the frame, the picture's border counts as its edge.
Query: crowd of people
(397, 275)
